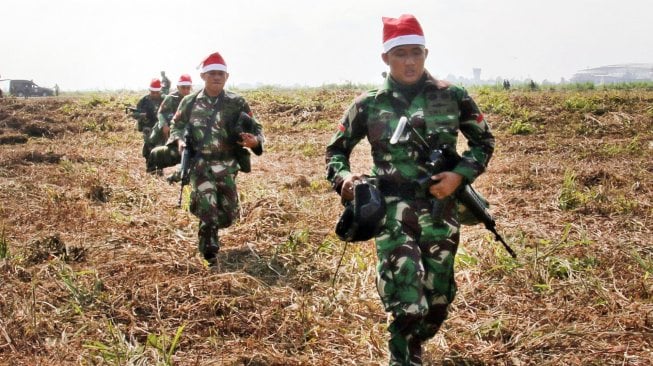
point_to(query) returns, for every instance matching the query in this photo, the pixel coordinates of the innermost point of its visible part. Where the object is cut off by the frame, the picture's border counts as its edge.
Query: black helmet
(363, 217)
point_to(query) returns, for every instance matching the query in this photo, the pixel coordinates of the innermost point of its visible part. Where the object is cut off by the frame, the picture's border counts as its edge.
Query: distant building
(615, 74)
(477, 74)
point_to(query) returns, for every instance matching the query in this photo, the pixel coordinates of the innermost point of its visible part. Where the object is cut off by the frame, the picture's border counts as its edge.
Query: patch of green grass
(4, 245)
(319, 125)
(633, 147)
(118, 349)
(95, 100)
(519, 127)
(320, 185)
(82, 294)
(579, 103)
(625, 204)
(465, 260)
(296, 239)
(495, 102)
(550, 266)
(645, 263)
(165, 345)
(571, 196)
(311, 150)
(543, 288)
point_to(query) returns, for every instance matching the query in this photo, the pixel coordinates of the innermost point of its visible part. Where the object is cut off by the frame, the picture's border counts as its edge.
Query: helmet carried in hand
(364, 216)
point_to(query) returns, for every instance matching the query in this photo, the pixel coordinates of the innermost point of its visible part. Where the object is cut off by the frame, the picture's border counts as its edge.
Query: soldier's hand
(248, 140)
(347, 191)
(446, 184)
(181, 145)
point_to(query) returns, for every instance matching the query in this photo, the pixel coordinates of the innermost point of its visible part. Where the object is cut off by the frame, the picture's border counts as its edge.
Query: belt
(408, 190)
(215, 155)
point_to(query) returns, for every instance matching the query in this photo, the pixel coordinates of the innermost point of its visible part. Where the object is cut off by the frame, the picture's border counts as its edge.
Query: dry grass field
(98, 265)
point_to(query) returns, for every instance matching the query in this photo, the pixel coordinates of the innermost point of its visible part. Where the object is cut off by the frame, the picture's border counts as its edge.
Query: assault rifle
(186, 160)
(440, 158)
(138, 114)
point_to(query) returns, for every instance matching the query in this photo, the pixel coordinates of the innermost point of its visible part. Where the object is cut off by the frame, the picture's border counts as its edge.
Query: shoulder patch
(442, 84)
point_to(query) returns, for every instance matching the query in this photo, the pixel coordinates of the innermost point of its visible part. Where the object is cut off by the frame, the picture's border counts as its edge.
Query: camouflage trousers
(163, 157)
(144, 126)
(415, 273)
(214, 200)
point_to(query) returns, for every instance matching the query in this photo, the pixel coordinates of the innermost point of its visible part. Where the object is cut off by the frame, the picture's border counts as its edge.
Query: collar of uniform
(430, 82)
(202, 95)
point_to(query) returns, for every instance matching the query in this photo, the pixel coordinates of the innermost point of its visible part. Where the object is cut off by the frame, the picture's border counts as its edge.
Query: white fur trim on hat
(184, 83)
(212, 67)
(403, 40)
(155, 89)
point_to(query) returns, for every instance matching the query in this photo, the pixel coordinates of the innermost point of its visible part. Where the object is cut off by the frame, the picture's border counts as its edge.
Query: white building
(615, 74)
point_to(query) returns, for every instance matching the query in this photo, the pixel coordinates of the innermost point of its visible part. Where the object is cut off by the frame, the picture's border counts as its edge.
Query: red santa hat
(401, 31)
(213, 62)
(155, 85)
(185, 80)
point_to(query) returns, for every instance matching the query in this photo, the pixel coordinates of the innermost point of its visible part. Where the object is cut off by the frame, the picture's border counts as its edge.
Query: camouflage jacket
(165, 85)
(168, 108)
(215, 139)
(444, 109)
(146, 111)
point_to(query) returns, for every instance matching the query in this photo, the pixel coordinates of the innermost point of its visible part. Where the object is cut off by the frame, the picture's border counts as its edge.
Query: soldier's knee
(405, 324)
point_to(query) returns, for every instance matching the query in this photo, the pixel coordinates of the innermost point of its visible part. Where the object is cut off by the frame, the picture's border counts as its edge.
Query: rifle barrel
(505, 245)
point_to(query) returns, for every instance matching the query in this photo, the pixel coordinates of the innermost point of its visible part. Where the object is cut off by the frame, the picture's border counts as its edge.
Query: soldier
(415, 248)
(162, 155)
(212, 116)
(165, 83)
(145, 115)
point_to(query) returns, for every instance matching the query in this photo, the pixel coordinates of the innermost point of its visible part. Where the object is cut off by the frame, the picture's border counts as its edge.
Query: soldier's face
(406, 62)
(214, 81)
(184, 89)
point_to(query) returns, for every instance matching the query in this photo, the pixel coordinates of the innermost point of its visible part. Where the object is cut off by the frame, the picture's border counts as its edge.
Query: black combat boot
(209, 245)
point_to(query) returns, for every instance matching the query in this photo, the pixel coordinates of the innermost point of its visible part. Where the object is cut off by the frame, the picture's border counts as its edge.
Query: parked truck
(24, 88)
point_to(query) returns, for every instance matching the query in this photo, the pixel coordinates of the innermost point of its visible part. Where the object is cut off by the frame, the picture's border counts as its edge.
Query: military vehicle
(24, 88)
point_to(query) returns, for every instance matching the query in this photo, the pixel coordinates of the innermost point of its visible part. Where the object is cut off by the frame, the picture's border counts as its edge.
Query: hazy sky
(99, 44)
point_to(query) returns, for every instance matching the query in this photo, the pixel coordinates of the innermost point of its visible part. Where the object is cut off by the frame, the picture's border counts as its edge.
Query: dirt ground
(98, 265)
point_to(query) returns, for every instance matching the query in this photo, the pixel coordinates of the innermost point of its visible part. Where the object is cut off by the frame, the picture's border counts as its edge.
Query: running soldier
(163, 156)
(145, 115)
(415, 247)
(213, 119)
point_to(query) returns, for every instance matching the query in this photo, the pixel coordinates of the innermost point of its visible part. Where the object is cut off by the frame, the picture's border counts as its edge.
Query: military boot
(209, 244)
(174, 177)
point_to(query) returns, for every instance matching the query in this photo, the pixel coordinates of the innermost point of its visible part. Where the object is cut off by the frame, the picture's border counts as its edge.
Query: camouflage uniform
(415, 251)
(214, 199)
(165, 84)
(163, 156)
(146, 119)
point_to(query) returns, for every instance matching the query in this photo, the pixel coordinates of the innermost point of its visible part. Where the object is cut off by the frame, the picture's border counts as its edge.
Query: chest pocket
(441, 113)
(380, 126)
